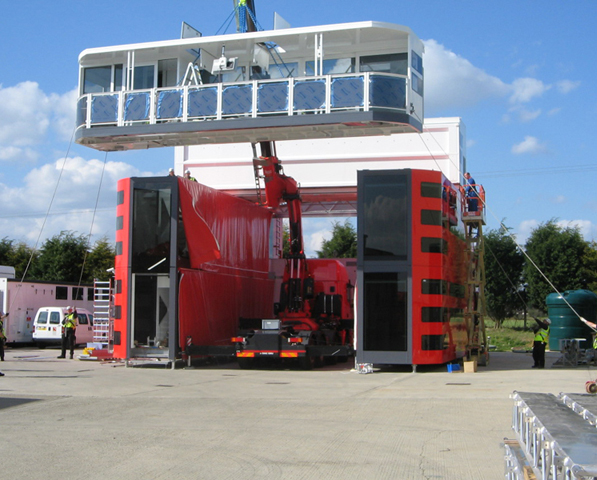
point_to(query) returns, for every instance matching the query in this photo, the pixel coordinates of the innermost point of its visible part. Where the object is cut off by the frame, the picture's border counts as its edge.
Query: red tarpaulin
(228, 242)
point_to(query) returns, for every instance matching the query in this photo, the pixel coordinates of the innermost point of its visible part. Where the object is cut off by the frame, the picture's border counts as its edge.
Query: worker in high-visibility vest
(540, 342)
(69, 325)
(593, 326)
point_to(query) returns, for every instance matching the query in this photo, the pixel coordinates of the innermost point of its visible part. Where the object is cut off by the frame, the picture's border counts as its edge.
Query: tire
(245, 363)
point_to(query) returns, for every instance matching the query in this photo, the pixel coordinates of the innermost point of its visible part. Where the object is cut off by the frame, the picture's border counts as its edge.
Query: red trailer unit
(412, 269)
(190, 261)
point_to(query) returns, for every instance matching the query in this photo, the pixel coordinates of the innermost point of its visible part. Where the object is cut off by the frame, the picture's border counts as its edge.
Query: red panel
(450, 267)
(224, 230)
(122, 267)
(228, 241)
(211, 302)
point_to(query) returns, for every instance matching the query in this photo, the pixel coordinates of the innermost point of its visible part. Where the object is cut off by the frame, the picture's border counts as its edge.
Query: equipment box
(470, 366)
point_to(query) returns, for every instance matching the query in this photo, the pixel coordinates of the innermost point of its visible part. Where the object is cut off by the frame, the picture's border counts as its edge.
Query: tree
(556, 253)
(17, 255)
(589, 263)
(61, 258)
(343, 243)
(99, 260)
(503, 274)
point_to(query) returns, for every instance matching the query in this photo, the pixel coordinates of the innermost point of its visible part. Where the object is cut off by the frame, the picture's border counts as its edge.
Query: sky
(521, 76)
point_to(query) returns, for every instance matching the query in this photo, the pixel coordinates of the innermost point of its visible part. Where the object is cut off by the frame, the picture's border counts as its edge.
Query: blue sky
(520, 74)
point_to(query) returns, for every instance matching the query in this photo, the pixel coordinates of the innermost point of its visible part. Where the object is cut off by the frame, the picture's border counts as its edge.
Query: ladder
(102, 307)
(474, 315)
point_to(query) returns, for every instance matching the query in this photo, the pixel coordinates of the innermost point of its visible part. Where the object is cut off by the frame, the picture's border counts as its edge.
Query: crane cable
(34, 249)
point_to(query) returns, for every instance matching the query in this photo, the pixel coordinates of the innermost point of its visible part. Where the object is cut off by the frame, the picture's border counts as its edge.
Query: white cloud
(528, 115)
(525, 89)
(28, 115)
(566, 86)
(587, 229)
(72, 190)
(529, 145)
(24, 118)
(452, 81)
(525, 228)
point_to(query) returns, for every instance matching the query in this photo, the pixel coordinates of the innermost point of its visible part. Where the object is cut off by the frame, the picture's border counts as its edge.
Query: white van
(47, 326)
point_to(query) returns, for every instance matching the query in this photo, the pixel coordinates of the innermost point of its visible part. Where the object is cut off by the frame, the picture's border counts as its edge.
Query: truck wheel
(245, 363)
(307, 362)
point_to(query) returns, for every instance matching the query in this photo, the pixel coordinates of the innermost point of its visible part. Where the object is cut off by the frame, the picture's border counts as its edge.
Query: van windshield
(43, 317)
(55, 318)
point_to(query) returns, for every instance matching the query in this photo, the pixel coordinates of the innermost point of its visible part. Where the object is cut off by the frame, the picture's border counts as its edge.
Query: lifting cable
(522, 250)
(34, 249)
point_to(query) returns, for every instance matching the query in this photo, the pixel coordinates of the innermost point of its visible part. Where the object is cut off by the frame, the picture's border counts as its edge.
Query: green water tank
(565, 323)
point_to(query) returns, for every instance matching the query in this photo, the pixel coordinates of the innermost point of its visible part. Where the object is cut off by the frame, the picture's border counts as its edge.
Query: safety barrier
(258, 98)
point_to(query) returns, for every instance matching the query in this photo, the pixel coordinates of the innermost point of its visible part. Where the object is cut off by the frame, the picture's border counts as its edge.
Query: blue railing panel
(291, 96)
(309, 95)
(169, 104)
(387, 92)
(272, 97)
(237, 99)
(348, 92)
(203, 102)
(136, 106)
(104, 109)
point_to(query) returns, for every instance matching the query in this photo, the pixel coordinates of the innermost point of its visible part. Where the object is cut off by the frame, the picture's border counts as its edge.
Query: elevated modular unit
(190, 261)
(345, 80)
(411, 269)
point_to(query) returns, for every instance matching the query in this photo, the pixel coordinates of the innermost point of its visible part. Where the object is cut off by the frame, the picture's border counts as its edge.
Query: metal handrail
(151, 97)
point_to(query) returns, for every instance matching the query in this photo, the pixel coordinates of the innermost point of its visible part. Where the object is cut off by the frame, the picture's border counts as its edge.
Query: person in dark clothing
(540, 342)
(68, 335)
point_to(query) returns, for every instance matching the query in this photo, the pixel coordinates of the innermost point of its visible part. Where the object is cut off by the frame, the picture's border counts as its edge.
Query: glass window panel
(417, 84)
(54, 318)
(118, 74)
(61, 293)
(386, 216)
(433, 245)
(332, 66)
(432, 342)
(389, 63)
(385, 312)
(144, 77)
(167, 72)
(431, 190)
(417, 61)
(283, 70)
(433, 287)
(151, 230)
(97, 79)
(43, 318)
(431, 217)
(433, 314)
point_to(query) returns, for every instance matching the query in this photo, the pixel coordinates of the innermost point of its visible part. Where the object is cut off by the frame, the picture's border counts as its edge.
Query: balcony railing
(258, 98)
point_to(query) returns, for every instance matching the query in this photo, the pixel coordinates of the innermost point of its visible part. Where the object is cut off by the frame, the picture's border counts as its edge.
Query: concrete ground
(74, 419)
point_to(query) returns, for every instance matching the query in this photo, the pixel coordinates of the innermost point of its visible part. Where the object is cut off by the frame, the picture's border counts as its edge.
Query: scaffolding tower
(474, 315)
(102, 308)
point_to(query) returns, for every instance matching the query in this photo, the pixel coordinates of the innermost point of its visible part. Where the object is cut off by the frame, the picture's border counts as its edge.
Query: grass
(511, 334)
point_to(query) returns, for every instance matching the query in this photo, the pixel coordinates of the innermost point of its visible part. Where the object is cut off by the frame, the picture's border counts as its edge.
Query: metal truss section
(556, 437)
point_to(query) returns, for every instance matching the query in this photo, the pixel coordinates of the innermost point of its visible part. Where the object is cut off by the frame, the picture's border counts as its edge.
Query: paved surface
(73, 419)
